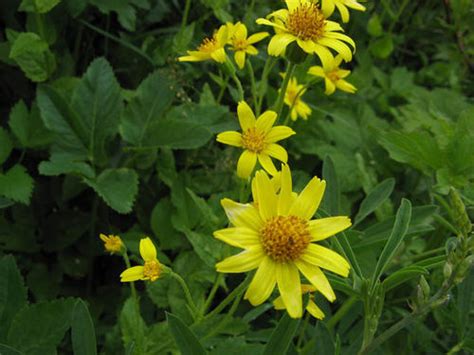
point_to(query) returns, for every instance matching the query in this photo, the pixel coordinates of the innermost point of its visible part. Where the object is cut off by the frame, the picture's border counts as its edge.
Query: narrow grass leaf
(374, 199)
(282, 336)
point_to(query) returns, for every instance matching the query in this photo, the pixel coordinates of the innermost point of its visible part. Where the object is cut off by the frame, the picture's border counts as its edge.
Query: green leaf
(382, 47)
(160, 222)
(132, 327)
(13, 293)
(399, 230)
(38, 6)
(6, 350)
(39, 328)
(186, 340)
(5, 145)
(141, 118)
(403, 275)
(82, 331)
(33, 56)
(58, 165)
(331, 195)
(282, 336)
(125, 9)
(117, 187)
(374, 26)
(28, 126)
(16, 184)
(98, 103)
(374, 199)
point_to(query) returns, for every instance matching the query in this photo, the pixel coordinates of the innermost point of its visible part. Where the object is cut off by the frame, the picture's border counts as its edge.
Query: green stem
(194, 310)
(253, 86)
(281, 96)
(212, 293)
(235, 293)
(222, 89)
(243, 190)
(341, 312)
(184, 21)
(263, 83)
(299, 342)
(240, 89)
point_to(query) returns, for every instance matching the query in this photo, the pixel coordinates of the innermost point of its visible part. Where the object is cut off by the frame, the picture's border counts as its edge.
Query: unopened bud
(424, 286)
(461, 218)
(451, 245)
(447, 270)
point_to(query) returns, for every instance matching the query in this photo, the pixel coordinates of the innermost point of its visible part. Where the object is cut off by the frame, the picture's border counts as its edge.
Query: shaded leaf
(82, 331)
(186, 340)
(16, 184)
(282, 336)
(28, 127)
(374, 199)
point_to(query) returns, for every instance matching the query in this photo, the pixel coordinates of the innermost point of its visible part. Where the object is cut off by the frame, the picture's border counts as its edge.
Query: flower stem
(235, 293)
(253, 86)
(281, 96)
(194, 310)
(212, 293)
(184, 20)
(341, 312)
(240, 89)
(263, 83)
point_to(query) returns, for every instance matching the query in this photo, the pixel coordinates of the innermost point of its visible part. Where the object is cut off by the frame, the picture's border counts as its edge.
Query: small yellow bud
(112, 243)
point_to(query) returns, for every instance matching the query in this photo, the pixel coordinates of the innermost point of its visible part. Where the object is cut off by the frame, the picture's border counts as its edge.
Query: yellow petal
(307, 46)
(103, 237)
(240, 31)
(327, 7)
(317, 70)
(314, 310)
(246, 116)
(241, 237)
(340, 47)
(257, 37)
(262, 21)
(317, 279)
(279, 42)
(353, 4)
(276, 151)
(342, 37)
(267, 163)
(251, 50)
(324, 55)
(265, 121)
(219, 55)
(345, 86)
(231, 138)
(323, 228)
(245, 261)
(309, 199)
(147, 249)
(326, 259)
(278, 133)
(134, 273)
(242, 215)
(293, 4)
(278, 303)
(263, 282)
(246, 164)
(240, 59)
(285, 198)
(344, 12)
(330, 87)
(266, 196)
(289, 285)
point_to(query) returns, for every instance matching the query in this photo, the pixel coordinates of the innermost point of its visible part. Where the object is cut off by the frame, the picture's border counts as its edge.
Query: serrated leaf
(33, 56)
(186, 340)
(58, 165)
(141, 117)
(39, 328)
(16, 184)
(374, 199)
(82, 331)
(13, 293)
(5, 145)
(282, 336)
(117, 187)
(28, 127)
(38, 6)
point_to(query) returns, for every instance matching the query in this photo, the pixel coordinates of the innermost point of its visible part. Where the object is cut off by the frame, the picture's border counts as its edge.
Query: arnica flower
(151, 270)
(258, 139)
(210, 48)
(298, 108)
(112, 243)
(328, 6)
(242, 45)
(333, 76)
(278, 236)
(311, 307)
(305, 23)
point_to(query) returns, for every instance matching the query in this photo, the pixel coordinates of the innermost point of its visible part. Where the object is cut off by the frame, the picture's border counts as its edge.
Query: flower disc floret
(253, 140)
(151, 270)
(306, 22)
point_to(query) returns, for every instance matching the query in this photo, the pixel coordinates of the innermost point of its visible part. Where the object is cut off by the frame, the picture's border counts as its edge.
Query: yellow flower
(258, 139)
(311, 307)
(293, 99)
(305, 23)
(210, 48)
(278, 237)
(112, 243)
(242, 45)
(333, 76)
(328, 6)
(152, 268)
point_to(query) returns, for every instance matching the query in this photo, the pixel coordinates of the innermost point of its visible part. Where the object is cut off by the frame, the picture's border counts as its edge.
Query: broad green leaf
(5, 145)
(374, 26)
(403, 275)
(16, 184)
(125, 9)
(209, 249)
(132, 327)
(374, 199)
(33, 56)
(28, 127)
(282, 335)
(399, 231)
(98, 104)
(39, 328)
(12, 293)
(162, 227)
(7, 350)
(117, 187)
(186, 340)
(382, 47)
(331, 194)
(82, 331)
(58, 165)
(38, 6)
(141, 118)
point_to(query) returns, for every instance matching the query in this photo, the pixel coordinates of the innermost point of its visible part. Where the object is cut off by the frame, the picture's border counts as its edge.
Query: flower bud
(447, 270)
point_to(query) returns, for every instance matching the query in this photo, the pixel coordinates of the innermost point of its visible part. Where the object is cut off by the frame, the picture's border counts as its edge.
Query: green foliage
(281, 337)
(38, 6)
(16, 184)
(82, 331)
(184, 337)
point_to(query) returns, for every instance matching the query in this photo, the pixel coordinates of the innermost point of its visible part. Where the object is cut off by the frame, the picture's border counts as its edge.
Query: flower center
(208, 45)
(306, 22)
(151, 270)
(113, 244)
(253, 140)
(285, 238)
(333, 76)
(292, 96)
(239, 44)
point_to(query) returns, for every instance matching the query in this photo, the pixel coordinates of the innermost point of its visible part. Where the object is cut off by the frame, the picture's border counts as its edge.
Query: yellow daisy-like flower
(333, 76)
(242, 45)
(293, 99)
(278, 236)
(311, 307)
(306, 24)
(112, 243)
(151, 270)
(328, 7)
(258, 139)
(210, 48)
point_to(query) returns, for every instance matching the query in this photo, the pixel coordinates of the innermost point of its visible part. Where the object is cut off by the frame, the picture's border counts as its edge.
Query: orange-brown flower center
(240, 44)
(306, 22)
(208, 45)
(333, 76)
(113, 244)
(151, 270)
(285, 238)
(253, 140)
